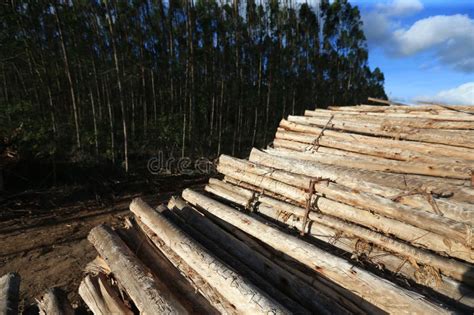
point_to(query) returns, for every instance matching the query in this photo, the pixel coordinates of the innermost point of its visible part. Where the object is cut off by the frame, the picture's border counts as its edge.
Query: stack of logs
(358, 209)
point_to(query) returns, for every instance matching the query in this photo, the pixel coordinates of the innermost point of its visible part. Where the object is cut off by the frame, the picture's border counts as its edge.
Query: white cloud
(400, 7)
(450, 38)
(461, 95)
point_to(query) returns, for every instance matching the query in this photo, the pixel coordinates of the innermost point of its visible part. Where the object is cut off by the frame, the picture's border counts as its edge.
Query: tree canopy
(109, 80)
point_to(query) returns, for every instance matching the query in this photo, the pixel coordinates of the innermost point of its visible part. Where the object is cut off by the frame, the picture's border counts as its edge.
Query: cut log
(380, 292)
(417, 255)
(426, 150)
(236, 263)
(451, 229)
(360, 149)
(438, 115)
(337, 293)
(363, 251)
(389, 120)
(317, 229)
(459, 171)
(366, 181)
(415, 236)
(460, 138)
(279, 277)
(9, 293)
(213, 296)
(440, 186)
(54, 302)
(243, 295)
(149, 294)
(100, 296)
(195, 294)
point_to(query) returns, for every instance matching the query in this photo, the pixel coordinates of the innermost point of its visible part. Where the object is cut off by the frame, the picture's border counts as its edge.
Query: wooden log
(261, 281)
(452, 113)
(9, 293)
(449, 267)
(370, 182)
(149, 294)
(100, 296)
(195, 294)
(213, 296)
(54, 302)
(361, 149)
(243, 295)
(378, 291)
(388, 120)
(246, 202)
(440, 186)
(286, 214)
(337, 293)
(443, 226)
(424, 275)
(377, 163)
(417, 237)
(279, 277)
(426, 150)
(240, 191)
(460, 138)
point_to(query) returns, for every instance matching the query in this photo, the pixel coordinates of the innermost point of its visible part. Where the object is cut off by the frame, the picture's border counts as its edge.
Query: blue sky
(424, 47)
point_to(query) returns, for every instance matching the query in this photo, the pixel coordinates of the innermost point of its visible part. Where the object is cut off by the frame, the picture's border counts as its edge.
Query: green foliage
(202, 77)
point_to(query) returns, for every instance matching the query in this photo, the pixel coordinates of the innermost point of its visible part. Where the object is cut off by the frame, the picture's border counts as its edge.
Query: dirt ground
(47, 244)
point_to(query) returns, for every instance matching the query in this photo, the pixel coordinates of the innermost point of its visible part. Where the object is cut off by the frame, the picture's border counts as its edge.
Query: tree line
(116, 80)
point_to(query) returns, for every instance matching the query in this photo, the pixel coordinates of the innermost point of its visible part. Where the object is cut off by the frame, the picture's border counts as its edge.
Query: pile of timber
(52, 302)
(358, 209)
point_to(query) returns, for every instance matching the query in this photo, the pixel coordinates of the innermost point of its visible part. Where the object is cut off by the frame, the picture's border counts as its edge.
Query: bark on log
(410, 253)
(377, 183)
(100, 297)
(148, 293)
(213, 296)
(181, 280)
(243, 295)
(440, 115)
(54, 302)
(450, 267)
(260, 281)
(378, 291)
(389, 119)
(279, 277)
(363, 251)
(415, 236)
(426, 108)
(460, 138)
(357, 160)
(426, 150)
(441, 186)
(449, 228)
(397, 263)
(380, 150)
(337, 293)
(9, 293)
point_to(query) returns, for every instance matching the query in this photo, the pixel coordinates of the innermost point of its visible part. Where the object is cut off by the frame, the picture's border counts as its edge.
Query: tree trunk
(94, 120)
(293, 186)
(101, 297)
(149, 294)
(9, 293)
(119, 86)
(231, 285)
(69, 77)
(55, 302)
(381, 293)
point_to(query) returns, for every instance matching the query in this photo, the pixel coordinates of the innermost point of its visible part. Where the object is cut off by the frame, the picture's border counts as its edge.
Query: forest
(116, 81)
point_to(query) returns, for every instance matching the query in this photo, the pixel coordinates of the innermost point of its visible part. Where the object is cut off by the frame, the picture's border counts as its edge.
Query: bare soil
(46, 243)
